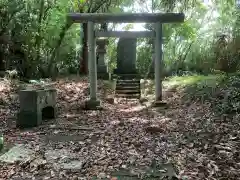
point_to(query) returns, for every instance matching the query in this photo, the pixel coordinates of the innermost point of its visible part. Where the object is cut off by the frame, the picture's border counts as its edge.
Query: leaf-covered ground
(189, 134)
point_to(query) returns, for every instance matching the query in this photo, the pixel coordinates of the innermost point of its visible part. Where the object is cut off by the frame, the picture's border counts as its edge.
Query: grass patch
(195, 80)
(220, 90)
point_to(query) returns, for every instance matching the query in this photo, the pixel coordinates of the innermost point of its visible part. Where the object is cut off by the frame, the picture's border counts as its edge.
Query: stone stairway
(128, 88)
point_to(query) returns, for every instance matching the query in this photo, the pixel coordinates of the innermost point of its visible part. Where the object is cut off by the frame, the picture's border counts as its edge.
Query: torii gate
(91, 18)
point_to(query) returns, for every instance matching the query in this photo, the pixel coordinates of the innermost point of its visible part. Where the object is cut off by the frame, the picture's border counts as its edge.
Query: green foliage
(36, 39)
(35, 30)
(41, 40)
(220, 91)
(191, 46)
(111, 55)
(144, 57)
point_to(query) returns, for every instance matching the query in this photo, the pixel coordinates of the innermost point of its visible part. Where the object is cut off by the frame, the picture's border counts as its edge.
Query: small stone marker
(17, 153)
(36, 105)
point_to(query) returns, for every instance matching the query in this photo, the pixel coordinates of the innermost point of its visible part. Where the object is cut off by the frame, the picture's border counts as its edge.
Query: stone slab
(72, 165)
(17, 153)
(148, 173)
(63, 138)
(64, 159)
(55, 154)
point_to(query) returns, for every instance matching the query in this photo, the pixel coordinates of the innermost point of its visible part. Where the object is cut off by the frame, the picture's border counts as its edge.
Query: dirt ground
(126, 135)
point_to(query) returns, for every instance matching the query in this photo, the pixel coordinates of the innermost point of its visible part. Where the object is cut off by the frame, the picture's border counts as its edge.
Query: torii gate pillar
(157, 18)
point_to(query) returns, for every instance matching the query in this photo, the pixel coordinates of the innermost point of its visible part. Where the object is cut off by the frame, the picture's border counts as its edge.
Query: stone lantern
(153, 57)
(101, 52)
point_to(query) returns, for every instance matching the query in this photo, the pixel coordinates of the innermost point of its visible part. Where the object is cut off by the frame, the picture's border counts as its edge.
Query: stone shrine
(126, 56)
(35, 106)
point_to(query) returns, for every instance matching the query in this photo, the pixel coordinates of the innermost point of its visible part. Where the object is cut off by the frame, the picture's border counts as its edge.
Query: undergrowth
(221, 91)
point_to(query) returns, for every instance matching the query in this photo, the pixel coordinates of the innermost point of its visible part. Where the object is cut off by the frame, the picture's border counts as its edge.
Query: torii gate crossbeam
(157, 18)
(127, 17)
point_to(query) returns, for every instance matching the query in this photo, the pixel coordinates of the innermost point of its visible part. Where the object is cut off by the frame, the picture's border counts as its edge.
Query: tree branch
(46, 10)
(9, 20)
(98, 6)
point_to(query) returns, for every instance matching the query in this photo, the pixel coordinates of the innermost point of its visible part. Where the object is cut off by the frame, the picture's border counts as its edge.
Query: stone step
(127, 76)
(128, 84)
(128, 80)
(136, 91)
(127, 88)
(128, 96)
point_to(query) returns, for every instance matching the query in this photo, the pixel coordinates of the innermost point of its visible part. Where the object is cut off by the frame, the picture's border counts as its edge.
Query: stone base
(161, 104)
(28, 119)
(102, 72)
(104, 76)
(92, 105)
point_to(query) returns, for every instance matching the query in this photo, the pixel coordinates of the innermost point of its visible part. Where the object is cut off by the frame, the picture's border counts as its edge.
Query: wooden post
(92, 61)
(158, 61)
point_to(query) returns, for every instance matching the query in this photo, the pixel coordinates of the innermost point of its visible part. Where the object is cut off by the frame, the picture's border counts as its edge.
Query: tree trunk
(55, 50)
(2, 64)
(38, 37)
(84, 52)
